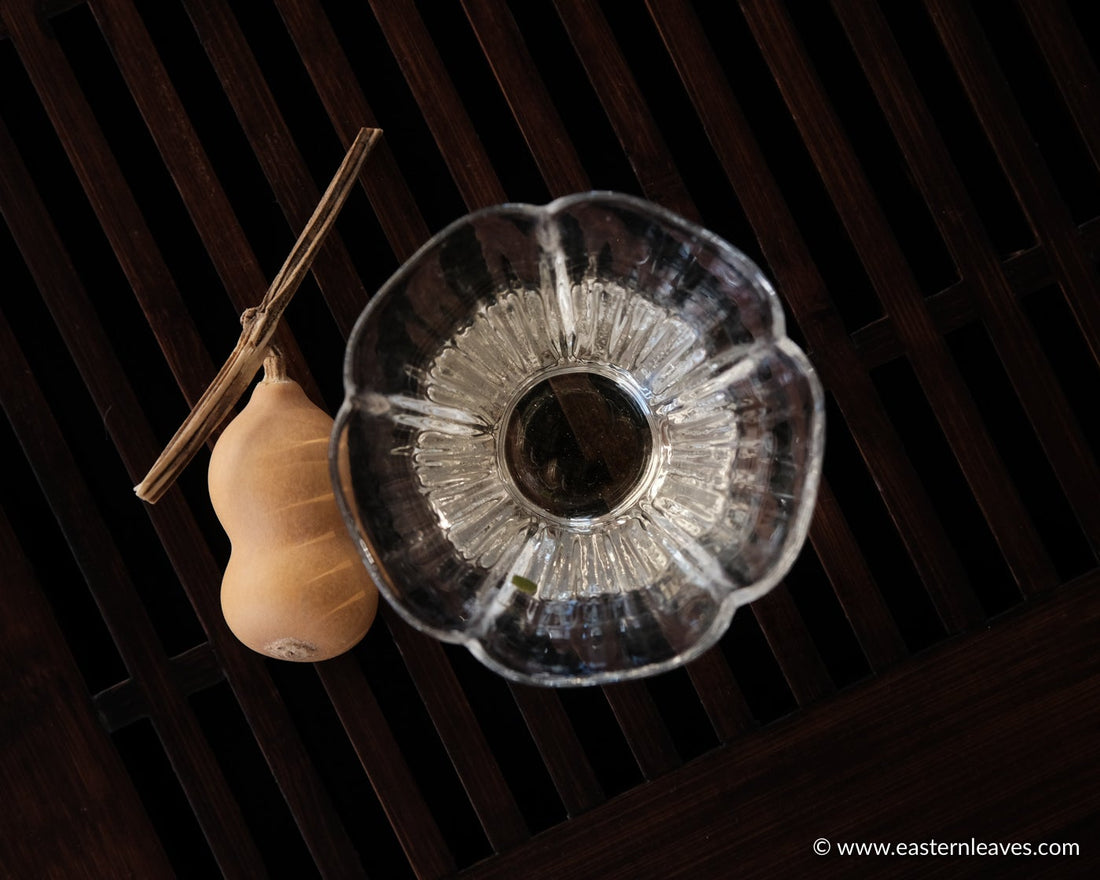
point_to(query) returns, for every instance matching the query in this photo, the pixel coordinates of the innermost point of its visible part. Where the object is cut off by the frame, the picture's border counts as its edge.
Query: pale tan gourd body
(295, 587)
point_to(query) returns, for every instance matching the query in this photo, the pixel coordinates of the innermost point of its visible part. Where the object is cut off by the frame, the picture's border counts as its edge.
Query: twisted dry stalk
(258, 327)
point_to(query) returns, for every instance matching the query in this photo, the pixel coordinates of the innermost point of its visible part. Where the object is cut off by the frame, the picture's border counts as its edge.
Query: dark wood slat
(721, 695)
(1026, 272)
(431, 86)
(855, 587)
(187, 163)
(376, 747)
(450, 711)
(897, 290)
(1068, 56)
(494, 804)
(458, 727)
(806, 295)
(200, 575)
(336, 85)
(274, 148)
(255, 107)
(563, 173)
(556, 740)
(528, 98)
(1021, 160)
(794, 649)
(407, 36)
(110, 198)
(47, 9)
(645, 730)
(105, 573)
(964, 765)
(286, 171)
(194, 670)
(67, 797)
(660, 180)
(625, 105)
(955, 215)
(345, 104)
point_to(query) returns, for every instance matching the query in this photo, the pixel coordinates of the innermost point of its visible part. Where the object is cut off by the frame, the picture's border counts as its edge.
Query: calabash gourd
(295, 587)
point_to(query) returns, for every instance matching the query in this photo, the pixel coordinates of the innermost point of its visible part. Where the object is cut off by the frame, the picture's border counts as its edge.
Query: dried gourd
(295, 587)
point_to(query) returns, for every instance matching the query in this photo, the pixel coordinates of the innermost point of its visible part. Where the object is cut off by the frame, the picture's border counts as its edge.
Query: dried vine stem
(259, 326)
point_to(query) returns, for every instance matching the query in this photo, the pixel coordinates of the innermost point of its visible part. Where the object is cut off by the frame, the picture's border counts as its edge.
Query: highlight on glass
(576, 438)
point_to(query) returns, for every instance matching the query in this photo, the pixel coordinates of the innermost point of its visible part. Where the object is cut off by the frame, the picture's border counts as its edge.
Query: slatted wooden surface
(921, 179)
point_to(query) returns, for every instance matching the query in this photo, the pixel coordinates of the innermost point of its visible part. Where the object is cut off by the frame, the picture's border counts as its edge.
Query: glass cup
(576, 438)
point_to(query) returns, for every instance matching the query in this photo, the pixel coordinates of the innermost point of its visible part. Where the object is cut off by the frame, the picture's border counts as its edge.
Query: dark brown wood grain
(554, 736)
(379, 753)
(989, 733)
(1027, 366)
(805, 293)
(67, 798)
(855, 586)
(454, 719)
(480, 186)
(443, 109)
(194, 670)
(1075, 73)
(528, 98)
(191, 171)
(1026, 272)
(133, 243)
(897, 289)
(626, 108)
(105, 572)
(1022, 161)
(941, 748)
(175, 525)
(340, 93)
(276, 152)
(559, 164)
(794, 650)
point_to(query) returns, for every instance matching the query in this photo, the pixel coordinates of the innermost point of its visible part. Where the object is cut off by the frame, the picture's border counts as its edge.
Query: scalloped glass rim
(472, 631)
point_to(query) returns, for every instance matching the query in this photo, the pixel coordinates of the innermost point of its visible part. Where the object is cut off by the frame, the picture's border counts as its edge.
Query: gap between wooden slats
(955, 215)
(345, 103)
(1025, 271)
(105, 573)
(417, 831)
(804, 289)
(118, 214)
(376, 747)
(275, 150)
(95, 817)
(561, 169)
(504, 48)
(1075, 72)
(897, 290)
(138, 61)
(296, 193)
(192, 670)
(202, 194)
(285, 170)
(334, 81)
(1023, 164)
(122, 416)
(479, 186)
(853, 583)
(626, 108)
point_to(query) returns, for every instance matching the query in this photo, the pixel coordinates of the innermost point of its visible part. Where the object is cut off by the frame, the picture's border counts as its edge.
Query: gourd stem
(259, 326)
(274, 366)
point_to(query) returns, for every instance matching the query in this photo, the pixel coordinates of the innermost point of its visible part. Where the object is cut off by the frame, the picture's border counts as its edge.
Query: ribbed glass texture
(576, 438)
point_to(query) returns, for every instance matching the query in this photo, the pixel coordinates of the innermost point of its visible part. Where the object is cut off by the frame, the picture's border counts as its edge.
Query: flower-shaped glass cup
(576, 438)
